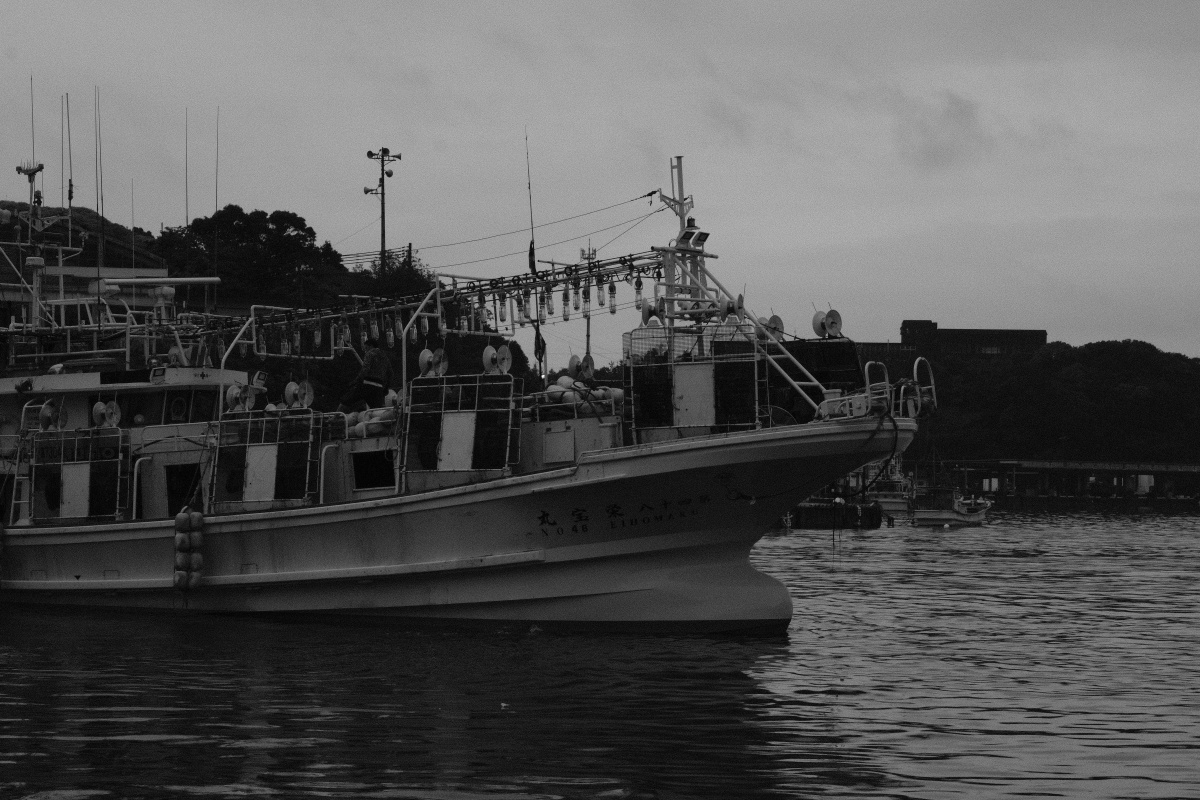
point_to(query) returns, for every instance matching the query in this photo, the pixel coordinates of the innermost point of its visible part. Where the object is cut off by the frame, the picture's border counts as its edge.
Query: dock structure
(1074, 479)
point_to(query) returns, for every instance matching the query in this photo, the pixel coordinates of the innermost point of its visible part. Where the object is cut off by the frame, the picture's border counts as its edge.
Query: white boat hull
(656, 535)
(939, 518)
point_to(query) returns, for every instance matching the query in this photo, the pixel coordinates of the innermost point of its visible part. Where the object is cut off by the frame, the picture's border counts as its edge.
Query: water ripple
(1040, 656)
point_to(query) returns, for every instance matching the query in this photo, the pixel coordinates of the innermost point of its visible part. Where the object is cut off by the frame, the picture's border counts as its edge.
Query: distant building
(925, 336)
(922, 337)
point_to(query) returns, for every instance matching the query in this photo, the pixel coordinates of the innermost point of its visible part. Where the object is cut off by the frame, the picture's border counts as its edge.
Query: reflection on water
(1038, 656)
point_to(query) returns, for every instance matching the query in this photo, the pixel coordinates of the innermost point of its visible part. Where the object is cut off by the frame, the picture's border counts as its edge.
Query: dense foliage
(1105, 401)
(274, 258)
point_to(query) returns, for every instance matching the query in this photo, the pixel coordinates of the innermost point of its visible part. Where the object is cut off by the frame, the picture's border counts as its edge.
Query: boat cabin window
(373, 470)
(141, 408)
(177, 407)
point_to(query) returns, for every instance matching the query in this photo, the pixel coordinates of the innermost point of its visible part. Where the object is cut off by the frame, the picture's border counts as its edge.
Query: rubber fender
(182, 521)
(181, 579)
(181, 542)
(196, 540)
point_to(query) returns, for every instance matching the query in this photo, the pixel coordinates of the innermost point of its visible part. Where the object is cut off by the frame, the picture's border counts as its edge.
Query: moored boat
(888, 486)
(949, 508)
(140, 470)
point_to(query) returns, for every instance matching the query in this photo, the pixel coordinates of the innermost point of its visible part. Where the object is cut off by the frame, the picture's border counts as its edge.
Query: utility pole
(384, 157)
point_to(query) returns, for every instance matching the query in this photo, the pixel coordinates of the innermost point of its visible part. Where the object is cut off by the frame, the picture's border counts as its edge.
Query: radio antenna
(217, 182)
(539, 344)
(70, 175)
(32, 130)
(187, 217)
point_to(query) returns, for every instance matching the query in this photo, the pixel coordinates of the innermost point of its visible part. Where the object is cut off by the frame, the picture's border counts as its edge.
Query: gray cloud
(938, 134)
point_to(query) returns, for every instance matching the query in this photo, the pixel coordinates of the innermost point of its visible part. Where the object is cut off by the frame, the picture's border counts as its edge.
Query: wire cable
(552, 244)
(356, 233)
(368, 255)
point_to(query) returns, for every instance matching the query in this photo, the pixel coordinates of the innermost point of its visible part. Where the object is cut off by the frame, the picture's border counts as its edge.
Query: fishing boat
(888, 486)
(948, 508)
(140, 470)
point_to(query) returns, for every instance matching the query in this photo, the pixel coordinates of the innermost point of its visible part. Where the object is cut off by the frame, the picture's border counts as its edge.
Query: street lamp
(384, 157)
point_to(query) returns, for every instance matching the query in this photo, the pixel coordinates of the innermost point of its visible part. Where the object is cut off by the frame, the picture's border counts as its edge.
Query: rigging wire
(543, 225)
(635, 220)
(552, 244)
(367, 256)
(356, 233)
(627, 230)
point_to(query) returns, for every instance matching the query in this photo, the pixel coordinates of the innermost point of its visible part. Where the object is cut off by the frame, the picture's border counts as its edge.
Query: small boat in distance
(888, 486)
(943, 507)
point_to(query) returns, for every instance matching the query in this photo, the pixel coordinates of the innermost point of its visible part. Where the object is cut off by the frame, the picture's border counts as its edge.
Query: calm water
(1041, 656)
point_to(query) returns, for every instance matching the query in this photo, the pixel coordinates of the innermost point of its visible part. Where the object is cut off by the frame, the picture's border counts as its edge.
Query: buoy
(189, 538)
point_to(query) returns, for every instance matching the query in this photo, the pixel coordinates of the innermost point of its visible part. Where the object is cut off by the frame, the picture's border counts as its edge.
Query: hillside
(1104, 401)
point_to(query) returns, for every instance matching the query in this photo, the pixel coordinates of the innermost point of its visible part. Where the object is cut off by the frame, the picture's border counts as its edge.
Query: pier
(1017, 479)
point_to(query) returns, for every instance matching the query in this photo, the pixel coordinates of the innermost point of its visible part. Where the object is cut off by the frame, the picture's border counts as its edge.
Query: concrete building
(922, 337)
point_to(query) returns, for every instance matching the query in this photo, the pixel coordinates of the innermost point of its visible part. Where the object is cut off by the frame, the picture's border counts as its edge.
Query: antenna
(71, 177)
(187, 217)
(100, 166)
(32, 131)
(217, 182)
(539, 344)
(216, 207)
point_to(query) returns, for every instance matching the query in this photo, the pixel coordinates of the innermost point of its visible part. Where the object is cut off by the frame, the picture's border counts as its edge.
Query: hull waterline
(655, 536)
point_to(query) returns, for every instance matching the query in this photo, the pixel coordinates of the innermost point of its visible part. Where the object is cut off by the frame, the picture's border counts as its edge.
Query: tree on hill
(262, 257)
(273, 257)
(1104, 401)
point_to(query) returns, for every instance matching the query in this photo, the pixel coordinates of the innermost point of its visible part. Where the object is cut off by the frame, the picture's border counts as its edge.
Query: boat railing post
(412, 320)
(133, 499)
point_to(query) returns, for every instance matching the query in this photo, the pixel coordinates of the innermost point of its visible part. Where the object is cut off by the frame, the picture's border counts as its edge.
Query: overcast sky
(1023, 165)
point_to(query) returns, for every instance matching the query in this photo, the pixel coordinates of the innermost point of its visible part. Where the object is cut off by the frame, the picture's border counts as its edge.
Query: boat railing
(461, 423)
(262, 426)
(927, 390)
(879, 391)
(71, 466)
(130, 342)
(577, 402)
(178, 437)
(279, 438)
